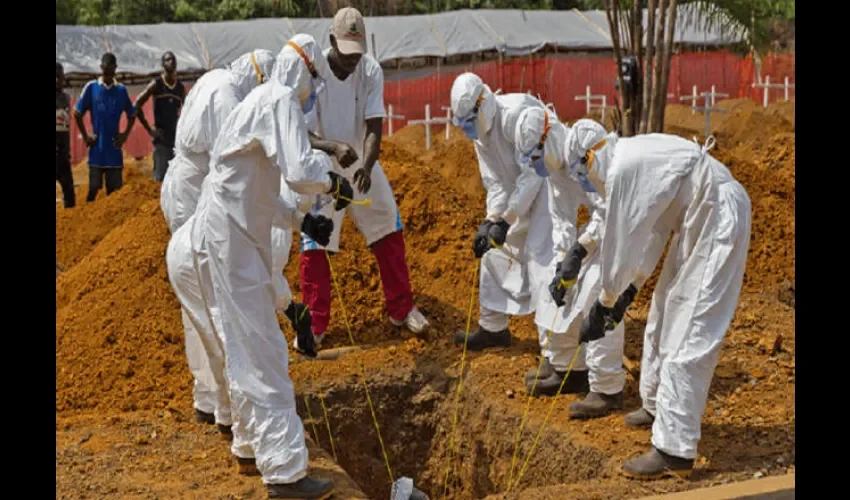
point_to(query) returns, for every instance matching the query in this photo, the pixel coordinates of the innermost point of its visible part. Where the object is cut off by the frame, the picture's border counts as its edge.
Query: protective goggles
(535, 157)
(469, 123)
(581, 167)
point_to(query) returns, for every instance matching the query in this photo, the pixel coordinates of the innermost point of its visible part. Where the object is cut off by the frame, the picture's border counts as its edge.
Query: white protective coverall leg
(603, 359)
(263, 139)
(511, 277)
(657, 184)
(207, 105)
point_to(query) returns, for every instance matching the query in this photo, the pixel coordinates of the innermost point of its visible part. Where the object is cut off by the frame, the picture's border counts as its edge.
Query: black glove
(619, 310)
(318, 228)
(593, 326)
(499, 232)
(341, 190)
(481, 243)
(299, 317)
(566, 273)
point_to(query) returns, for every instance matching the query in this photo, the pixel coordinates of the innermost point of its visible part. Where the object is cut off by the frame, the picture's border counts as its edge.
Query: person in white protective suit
(514, 242)
(655, 186)
(347, 124)
(207, 105)
(204, 349)
(263, 142)
(598, 368)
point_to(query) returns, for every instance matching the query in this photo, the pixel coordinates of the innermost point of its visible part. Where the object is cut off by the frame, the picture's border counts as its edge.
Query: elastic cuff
(510, 216)
(607, 299)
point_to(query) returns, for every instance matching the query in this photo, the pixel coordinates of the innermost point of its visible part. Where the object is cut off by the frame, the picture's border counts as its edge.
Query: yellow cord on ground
(460, 379)
(528, 400)
(328, 425)
(312, 423)
(549, 413)
(362, 368)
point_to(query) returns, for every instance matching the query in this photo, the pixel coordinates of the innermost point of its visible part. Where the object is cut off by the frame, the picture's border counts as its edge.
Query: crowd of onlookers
(106, 99)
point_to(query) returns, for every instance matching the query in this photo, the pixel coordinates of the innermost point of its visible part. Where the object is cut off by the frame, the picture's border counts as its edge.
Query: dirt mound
(119, 338)
(744, 121)
(78, 230)
(437, 220)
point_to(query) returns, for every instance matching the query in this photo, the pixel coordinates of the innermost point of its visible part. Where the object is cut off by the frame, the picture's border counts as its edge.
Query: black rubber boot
(305, 488)
(639, 418)
(247, 466)
(482, 339)
(225, 431)
(655, 464)
(596, 405)
(203, 417)
(576, 383)
(546, 371)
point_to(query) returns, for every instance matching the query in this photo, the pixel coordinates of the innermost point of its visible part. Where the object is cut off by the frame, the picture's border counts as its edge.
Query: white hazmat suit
(601, 360)
(263, 141)
(655, 185)
(207, 105)
(511, 276)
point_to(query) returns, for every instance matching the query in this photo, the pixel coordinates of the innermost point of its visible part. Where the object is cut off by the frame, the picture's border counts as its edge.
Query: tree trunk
(612, 13)
(659, 94)
(636, 31)
(668, 54)
(647, 66)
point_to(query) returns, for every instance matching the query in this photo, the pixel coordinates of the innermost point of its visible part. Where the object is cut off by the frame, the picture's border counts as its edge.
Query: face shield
(469, 123)
(535, 157)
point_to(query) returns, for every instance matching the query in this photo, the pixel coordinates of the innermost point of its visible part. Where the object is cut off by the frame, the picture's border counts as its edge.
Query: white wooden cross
(602, 106)
(390, 118)
(448, 110)
(715, 94)
(693, 98)
(427, 122)
(588, 98)
(707, 110)
(767, 86)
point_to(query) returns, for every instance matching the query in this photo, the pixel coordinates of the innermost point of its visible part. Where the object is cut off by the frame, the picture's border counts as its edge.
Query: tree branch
(647, 66)
(659, 93)
(668, 54)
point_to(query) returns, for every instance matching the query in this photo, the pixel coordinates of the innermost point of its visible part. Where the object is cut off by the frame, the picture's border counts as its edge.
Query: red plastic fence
(557, 80)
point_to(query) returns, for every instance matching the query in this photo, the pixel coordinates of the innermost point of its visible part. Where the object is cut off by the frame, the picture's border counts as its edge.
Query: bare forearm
(78, 118)
(143, 120)
(325, 145)
(372, 147)
(130, 122)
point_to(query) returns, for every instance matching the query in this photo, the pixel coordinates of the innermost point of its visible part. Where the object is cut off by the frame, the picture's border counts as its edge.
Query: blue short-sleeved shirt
(105, 103)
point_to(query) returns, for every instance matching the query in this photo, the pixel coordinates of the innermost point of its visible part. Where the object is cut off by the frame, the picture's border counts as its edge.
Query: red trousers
(316, 281)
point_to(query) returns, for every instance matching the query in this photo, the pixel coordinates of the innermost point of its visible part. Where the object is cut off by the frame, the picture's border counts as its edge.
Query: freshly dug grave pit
(414, 400)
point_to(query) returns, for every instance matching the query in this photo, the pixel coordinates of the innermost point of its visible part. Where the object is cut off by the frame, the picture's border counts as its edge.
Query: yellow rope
(548, 414)
(312, 423)
(460, 379)
(362, 368)
(328, 425)
(530, 395)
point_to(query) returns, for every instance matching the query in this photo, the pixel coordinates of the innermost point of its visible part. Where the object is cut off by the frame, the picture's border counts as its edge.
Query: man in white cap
(656, 185)
(347, 122)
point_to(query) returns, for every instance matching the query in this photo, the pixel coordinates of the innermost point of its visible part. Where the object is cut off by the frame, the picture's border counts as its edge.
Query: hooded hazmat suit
(656, 185)
(207, 105)
(511, 277)
(204, 348)
(262, 143)
(602, 360)
(340, 115)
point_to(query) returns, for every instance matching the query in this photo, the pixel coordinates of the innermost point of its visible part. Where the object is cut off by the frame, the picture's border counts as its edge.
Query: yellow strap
(303, 55)
(257, 68)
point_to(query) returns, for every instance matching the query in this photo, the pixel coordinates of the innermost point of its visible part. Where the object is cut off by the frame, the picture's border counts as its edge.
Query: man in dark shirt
(63, 139)
(168, 94)
(106, 100)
